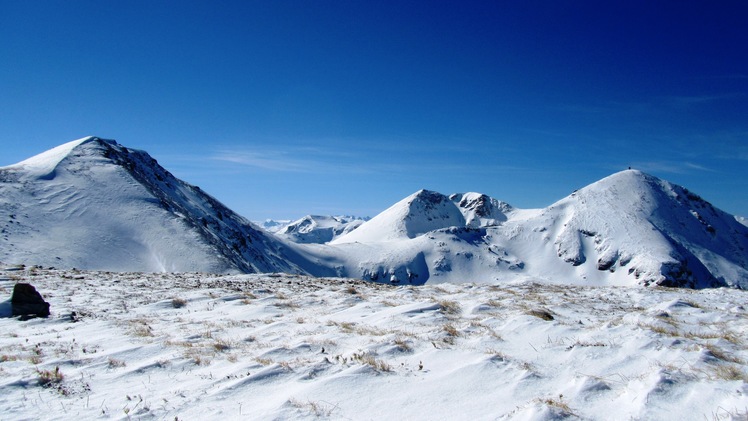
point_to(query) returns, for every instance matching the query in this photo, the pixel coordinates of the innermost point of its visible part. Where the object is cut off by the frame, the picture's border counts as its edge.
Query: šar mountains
(95, 204)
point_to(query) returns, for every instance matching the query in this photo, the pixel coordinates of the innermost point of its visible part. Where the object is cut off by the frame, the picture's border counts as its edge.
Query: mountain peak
(43, 165)
(93, 203)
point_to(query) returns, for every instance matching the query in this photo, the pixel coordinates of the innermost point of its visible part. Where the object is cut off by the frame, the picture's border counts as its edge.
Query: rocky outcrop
(27, 302)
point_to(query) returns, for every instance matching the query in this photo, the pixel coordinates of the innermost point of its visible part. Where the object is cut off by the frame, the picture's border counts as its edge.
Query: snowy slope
(275, 347)
(417, 214)
(629, 228)
(648, 228)
(426, 211)
(742, 220)
(318, 229)
(92, 203)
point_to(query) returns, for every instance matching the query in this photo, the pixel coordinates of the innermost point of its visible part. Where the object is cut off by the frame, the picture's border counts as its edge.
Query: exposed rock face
(27, 302)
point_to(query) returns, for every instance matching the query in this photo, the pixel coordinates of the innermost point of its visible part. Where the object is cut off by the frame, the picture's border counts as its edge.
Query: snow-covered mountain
(94, 204)
(742, 220)
(273, 225)
(628, 228)
(317, 229)
(636, 225)
(426, 211)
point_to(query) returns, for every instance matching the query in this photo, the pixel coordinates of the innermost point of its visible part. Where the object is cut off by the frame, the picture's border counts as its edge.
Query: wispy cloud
(266, 160)
(320, 162)
(687, 100)
(670, 167)
(386, 156)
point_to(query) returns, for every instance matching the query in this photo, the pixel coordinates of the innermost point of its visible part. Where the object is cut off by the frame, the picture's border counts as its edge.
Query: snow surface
(268, 347)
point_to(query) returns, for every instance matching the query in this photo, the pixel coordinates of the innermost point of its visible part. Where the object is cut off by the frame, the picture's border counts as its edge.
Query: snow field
(196, 346)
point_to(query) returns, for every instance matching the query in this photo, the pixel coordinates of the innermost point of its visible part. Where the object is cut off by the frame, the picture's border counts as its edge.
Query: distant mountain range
(315, 229)
(95, 204)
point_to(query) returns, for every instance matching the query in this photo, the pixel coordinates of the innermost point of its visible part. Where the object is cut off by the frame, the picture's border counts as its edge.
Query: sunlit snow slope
(94, 204)
(628, 228)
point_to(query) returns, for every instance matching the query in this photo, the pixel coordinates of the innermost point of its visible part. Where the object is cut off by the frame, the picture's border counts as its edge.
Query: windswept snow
(267, 347)
(44, 164)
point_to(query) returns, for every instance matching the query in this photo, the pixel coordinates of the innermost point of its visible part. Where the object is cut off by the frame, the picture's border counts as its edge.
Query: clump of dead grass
(177, 302)
(450, 307)
(541, 313)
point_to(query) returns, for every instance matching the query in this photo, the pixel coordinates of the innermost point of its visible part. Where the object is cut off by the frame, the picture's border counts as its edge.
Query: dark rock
(27, 302)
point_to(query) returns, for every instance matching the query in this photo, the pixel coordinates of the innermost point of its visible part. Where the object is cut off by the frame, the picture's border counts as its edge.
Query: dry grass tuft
(451, 330)
(177, 302)
(402, 344)
(370, 360)
(729, 372)
(49, 377)
(350, 289)
(142, 330)
(115, 363)
(541, 314)
(263, 361)
(318, 409)
(450, 307)
(720, 354)
(221, 345)
(558, 404)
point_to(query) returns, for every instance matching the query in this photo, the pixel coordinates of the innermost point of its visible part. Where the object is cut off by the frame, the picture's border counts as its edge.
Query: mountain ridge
(629, 227)
(318, 229)
(95, 204)
(96, 167)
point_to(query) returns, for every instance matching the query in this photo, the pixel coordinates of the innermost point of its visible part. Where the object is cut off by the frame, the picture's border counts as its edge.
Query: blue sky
(286, 108)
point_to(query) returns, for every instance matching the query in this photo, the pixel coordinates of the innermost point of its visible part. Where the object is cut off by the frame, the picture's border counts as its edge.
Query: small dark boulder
(27, 302)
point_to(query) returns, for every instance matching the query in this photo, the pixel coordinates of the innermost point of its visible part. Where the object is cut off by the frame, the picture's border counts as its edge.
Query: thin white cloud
(390, 156)
(265, 160)
(670, 167)
(685, 100)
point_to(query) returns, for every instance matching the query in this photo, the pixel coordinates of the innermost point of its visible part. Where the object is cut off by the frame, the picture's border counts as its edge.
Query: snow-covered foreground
(190, 346)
